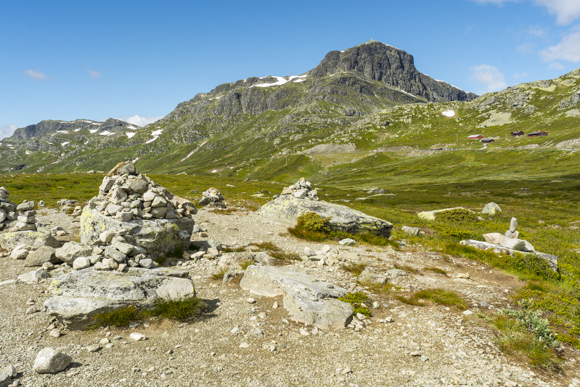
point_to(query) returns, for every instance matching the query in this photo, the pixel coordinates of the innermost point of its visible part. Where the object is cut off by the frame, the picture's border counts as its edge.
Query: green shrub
(437, 296)
(533, 322)
(357, 301)
(311, 221)
(459, 215)
(244, 263)
(118, 318)
(189, 308)
(354, 268)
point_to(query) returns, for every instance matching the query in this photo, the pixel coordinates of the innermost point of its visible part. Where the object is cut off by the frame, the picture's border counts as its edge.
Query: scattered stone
(55, 333)
(347, 242)
(50, 361)
(19, 252)
(251, 301)
(71, 251)
(137, 336)
(93, 348)
(45, 254)
(34, 277)
(412, 231)
(370, 276)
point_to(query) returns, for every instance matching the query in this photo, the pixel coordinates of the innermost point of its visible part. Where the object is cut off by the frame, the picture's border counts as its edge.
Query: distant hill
(355, 103)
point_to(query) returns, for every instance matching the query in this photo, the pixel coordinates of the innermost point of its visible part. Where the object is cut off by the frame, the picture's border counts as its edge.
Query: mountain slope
(364, 100)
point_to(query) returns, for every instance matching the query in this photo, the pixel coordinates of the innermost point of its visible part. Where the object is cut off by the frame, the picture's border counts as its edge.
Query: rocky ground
(241, 343)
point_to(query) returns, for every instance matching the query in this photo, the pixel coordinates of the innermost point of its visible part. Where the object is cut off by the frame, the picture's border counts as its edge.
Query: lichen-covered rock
(307, 300)
(159, 236)
(33, 239)
(78, 296)
(287, 208)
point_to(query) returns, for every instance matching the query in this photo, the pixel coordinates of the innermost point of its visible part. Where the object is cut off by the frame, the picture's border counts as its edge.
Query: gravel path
(243, 344)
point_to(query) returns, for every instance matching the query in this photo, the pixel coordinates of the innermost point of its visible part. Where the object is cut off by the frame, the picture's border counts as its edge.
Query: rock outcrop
(80, 295)
(287, 208)
(307, 300)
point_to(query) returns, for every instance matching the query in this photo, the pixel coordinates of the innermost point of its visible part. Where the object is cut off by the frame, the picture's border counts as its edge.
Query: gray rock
(19, 252)
(513, 225)
(370, 276)
(159, 212)
(491, 209)
(413, 231)
(347, 242)
(125, 248)
(159, 201)
(114, 254)
(147, 263)
(80, 295)
(25, 206)
(139, 185)
(127, 169)
(308, 301)
(34, 277)
(159, 236)
(432, 215)
(516, 244)
(286, 209)
(72, 250)
(124, 216)
(81, 263)
(41, 256)
(50, 361)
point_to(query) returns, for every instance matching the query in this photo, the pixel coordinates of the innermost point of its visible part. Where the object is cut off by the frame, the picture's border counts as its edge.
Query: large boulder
(72, 250)
(32, 239)
(307, 300)
(287, 208)
(80, 295)
(159, 236)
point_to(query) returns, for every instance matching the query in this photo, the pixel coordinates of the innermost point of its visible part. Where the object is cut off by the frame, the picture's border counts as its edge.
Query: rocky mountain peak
(381, 62)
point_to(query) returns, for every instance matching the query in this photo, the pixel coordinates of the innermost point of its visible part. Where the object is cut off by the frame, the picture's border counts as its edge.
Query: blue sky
(136, 60)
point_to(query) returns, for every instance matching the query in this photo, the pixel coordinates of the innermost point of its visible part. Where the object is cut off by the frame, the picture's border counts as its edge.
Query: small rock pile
(212, 198)
(20, 217)
(70, 206)
(302, 189)
(125, 195)
(512, 232)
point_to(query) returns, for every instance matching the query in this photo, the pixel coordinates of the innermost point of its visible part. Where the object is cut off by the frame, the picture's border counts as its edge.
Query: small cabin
(487, 140)
(538, 134)
(518, 133)
(475, 137)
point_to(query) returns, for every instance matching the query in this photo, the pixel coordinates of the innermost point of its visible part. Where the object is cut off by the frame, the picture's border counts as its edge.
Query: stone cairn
(70, 206)
(302, 189)
(512, 232)
(212, 198)
(126, 196)
(20, 217)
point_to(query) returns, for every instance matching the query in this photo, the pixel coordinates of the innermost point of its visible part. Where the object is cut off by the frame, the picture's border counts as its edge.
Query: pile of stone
(14, 217)
(212, 198)
(125, 194)
(302, 189)
(131, 223)
(509, 243)
(70, 206)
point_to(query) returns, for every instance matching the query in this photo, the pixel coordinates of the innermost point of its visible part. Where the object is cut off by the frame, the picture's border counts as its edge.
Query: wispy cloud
(556, 66)
(566, 11)
(568, 49)
(7, 130)
(526, 48)
(94, 74)
(36, 75)
(497, 2)
(537, 31)
(490, 76)
(139, 121)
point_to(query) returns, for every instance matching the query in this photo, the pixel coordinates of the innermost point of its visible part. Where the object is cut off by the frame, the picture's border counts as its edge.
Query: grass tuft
(118, 318)
(189, 308)
(357, 300)
(354, 268)
(435, 296)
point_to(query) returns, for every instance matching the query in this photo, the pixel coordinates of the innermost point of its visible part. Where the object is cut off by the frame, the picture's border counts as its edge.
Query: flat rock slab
(32, 239)
(552, 260)
(156, 236)
(307, 300)
(80, 295)
(287, 208)
(432, 215)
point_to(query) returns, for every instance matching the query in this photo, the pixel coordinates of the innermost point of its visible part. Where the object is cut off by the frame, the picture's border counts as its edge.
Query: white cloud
(537, 30)
(556, 66)
(526, 48)
(566, 11)
(7, 130)
(490, 76)
(94, 74)
(568, 49)
(498, 2)
(138, 120)
(36, 75)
